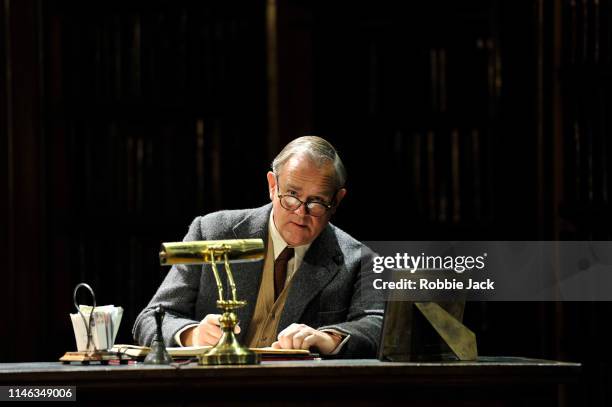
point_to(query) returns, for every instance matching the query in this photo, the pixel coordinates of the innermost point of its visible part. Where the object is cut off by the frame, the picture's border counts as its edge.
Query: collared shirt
(279, 245)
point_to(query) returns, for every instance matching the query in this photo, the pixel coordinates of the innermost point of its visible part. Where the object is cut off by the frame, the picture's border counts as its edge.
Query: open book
(187, 352)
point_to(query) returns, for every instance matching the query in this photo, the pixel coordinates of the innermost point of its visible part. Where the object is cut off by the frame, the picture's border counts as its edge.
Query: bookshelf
(585, 83)
(485, 119)
(148, 106)
(584, 86)
(420, 91)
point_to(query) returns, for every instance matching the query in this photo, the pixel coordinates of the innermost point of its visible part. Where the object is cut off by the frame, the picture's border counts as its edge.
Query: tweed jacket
(332, 288)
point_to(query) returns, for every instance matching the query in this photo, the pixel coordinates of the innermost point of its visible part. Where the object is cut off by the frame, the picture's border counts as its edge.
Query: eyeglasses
(314, 208)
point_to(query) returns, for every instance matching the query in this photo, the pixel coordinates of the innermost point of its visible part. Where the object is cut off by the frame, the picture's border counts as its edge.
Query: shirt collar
(279, 243)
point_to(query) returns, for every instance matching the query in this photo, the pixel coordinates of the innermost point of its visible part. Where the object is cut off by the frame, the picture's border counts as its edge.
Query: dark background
(120, 121)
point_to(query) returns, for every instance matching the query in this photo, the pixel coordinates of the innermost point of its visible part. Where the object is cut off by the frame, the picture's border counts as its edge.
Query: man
(312, 290)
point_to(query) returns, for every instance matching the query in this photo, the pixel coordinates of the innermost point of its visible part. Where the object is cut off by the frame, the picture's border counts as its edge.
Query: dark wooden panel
(24, 180)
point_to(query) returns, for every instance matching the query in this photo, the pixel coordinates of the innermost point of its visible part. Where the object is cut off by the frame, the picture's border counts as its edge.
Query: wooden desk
(498, 381)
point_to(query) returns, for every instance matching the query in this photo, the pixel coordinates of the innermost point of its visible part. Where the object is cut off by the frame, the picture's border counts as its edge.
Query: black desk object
(492, 381)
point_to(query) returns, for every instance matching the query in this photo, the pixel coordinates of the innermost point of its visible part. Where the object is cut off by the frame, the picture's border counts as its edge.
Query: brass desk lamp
(228, 350)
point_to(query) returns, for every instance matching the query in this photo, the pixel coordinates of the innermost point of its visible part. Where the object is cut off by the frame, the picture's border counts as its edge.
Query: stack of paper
(187, 352)
(104, 326)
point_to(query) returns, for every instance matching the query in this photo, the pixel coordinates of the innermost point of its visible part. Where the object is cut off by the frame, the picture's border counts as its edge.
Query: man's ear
(339, 196)
(271, 184)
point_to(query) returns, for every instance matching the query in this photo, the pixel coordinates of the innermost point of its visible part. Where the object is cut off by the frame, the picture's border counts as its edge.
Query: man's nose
(301, 210)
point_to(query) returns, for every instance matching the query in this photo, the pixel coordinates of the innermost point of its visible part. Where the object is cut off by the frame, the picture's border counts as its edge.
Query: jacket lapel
(319, 267)
(248, 275)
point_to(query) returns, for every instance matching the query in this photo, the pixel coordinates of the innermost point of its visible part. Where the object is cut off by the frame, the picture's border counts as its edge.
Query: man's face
(300, 177)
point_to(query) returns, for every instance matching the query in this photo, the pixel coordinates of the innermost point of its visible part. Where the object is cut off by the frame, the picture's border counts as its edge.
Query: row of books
(123, 167)
(460, 80)
(167, 53)
(586, 86)
(587, 26)
(444, 171)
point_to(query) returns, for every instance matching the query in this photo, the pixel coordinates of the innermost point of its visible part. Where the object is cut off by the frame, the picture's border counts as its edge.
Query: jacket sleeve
(177, 294)
(365, 315)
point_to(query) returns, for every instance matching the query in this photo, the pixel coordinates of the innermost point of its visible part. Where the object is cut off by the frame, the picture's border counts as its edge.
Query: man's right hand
(208, 332)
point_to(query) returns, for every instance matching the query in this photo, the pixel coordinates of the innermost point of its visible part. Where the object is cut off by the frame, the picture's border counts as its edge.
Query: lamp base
(229, 351)
(229, 358)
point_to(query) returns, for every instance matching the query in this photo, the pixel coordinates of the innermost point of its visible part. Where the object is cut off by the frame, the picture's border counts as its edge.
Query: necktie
(280, 270)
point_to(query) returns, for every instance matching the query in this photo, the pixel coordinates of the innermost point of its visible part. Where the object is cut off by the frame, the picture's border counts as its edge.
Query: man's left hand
(300, 336)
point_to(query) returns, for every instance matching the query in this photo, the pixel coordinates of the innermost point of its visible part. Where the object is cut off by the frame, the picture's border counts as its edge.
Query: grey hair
(319, 150)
